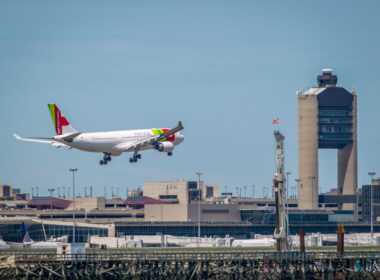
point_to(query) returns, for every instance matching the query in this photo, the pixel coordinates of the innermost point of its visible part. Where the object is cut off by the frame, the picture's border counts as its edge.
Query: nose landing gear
(106, 159)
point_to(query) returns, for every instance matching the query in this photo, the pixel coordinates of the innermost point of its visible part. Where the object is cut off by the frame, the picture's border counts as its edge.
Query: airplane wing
(136, 146)
(41, 140)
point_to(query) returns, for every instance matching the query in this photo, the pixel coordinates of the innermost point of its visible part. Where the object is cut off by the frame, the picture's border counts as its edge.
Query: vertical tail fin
(61, 125)
(25, 234)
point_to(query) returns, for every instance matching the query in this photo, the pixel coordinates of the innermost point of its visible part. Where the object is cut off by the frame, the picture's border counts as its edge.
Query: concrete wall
(347, 163)
(184, 213)
(215, 213)
(155, 189)
(166, 212)
(87, 203)
(308, 151)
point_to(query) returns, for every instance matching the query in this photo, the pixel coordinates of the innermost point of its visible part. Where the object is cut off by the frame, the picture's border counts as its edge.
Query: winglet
(180, 125)
(17, 137)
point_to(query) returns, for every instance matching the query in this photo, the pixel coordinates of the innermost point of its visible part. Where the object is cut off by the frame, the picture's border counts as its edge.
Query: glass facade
(13, 232)
(366, 206)
(334, 126)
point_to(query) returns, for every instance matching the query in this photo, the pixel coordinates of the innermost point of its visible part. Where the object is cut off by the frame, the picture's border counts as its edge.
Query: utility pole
(199, 206)
(59, 192)
(37, 191)
(51, 203)
(312, 178)
(112, 192)
(64, 192)
(298, 186)
(280, 233)
(245, 191)
(90, 191)
(371, 174)
(118, 192)
(357, 204)
(85, 191)
(253, 191)
(287, 173)
(287, 183)
(32, 192)
(73, 170)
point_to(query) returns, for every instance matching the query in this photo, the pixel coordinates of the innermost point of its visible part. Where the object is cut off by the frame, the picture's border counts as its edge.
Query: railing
(193, 255)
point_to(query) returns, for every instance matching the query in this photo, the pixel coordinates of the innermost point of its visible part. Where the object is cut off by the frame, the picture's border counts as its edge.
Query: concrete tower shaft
(347, 163)
(308, 151)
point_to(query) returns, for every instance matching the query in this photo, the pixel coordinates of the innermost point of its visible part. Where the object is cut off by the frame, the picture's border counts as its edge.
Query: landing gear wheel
(108, 158)
(135, 159)
(131, 160)
(138, 156)
(170, 154)
(101, 162)
(105, 162)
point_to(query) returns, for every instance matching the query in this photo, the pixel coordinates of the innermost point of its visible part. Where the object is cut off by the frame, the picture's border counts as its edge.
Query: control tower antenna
(280, 233)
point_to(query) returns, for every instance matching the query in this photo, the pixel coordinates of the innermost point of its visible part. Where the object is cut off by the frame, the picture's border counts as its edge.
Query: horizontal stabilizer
(41, 140)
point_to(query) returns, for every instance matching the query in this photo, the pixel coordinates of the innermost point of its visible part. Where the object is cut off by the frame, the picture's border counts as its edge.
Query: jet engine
(164, 146)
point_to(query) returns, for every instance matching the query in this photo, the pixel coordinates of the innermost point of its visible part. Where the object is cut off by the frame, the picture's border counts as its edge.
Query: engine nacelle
(164, 146)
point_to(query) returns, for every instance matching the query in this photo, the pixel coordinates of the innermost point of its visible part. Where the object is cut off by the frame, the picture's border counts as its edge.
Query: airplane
(28, 242)
(110, 143)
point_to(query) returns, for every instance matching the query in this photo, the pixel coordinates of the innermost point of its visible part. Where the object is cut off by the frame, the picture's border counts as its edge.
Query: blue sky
(225, 68)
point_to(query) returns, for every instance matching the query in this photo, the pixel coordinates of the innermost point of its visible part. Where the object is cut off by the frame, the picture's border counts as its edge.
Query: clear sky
(225, 68)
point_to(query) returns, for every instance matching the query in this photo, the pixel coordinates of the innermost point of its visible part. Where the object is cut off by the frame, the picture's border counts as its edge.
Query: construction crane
(281, 231)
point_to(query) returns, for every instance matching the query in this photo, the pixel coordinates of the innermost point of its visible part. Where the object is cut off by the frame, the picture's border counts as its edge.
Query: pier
(191, 264)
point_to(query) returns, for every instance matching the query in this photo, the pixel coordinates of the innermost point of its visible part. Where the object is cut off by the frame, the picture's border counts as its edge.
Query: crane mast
(280, 233)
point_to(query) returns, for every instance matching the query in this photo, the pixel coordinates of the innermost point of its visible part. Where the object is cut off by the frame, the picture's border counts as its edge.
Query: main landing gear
(135, 157)
(106, 159)
(170, 154)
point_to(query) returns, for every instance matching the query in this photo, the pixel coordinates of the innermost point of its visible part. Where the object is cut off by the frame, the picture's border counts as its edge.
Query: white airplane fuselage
(109, 142)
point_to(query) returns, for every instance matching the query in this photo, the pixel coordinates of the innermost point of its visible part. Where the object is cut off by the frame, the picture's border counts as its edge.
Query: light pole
(51, 203)
(312, 191)
(298, 186)
(73, 170)
(287, 183)
(357, 204)
(371, 174)
(253, 191)
(286, 200)
(199, 206)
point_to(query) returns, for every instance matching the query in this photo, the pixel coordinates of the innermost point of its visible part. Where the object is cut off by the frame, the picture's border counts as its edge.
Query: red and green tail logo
(61, 125)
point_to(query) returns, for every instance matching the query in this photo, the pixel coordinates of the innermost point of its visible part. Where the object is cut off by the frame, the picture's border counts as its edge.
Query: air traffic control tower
(326, 120)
